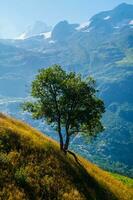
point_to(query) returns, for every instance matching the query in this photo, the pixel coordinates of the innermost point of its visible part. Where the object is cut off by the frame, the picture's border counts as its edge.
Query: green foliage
(21, 176)
(66, 100)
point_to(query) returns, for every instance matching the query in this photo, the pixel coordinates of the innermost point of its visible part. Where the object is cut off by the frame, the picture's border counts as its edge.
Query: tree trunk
(60, 136)
(66, 143)
(61, 141)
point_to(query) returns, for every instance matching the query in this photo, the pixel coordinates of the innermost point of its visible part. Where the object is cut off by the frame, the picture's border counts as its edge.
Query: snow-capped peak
(83, 25)
(23, 36)
(37, 29)
(106, 18)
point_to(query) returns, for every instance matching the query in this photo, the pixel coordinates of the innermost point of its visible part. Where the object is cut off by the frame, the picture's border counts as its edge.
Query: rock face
(102, 48)
(63, 30)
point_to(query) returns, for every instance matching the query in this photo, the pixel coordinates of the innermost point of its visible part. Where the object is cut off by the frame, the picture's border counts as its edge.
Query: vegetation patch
(33, 167)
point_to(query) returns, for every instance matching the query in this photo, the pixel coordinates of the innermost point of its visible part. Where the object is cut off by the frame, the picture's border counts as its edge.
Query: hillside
(32, 167)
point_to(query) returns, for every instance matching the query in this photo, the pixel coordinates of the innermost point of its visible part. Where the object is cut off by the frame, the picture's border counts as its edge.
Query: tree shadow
(99, 191)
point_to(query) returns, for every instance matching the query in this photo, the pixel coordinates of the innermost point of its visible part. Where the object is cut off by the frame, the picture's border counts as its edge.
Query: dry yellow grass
(120, 190)
(95, 182)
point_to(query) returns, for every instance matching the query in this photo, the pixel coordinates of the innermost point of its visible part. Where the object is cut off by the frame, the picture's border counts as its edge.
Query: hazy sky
(16, 15)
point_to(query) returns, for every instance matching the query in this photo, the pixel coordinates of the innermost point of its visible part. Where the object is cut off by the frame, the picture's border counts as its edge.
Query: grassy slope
(32, 167)
(126, 180)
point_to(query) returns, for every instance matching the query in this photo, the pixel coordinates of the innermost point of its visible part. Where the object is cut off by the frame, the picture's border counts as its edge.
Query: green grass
(126, 180)
(33, 168)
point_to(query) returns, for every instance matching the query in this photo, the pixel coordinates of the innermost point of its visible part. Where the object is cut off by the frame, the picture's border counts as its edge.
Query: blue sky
(16, 15)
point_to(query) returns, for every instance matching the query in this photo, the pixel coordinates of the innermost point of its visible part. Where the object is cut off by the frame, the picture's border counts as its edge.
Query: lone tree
(66, 101)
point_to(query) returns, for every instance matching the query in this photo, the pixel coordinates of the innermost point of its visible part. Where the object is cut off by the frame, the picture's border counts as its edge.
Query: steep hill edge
(32, 167)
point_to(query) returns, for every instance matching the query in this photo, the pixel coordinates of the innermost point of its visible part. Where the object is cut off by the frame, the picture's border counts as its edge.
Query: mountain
(31, 164)
(63, 30)
(38, 28)
(101, 47)
(108, 21)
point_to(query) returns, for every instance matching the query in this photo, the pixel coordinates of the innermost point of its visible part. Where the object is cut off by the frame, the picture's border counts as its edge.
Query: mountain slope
(32, 167)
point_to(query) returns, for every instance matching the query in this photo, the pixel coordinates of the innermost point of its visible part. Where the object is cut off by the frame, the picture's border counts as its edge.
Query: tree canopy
(67, 101)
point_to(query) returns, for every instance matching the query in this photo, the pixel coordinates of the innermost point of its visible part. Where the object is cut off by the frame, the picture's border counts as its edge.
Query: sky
(17, 15)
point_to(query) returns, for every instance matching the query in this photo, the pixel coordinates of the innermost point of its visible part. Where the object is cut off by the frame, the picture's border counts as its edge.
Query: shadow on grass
(93, 189)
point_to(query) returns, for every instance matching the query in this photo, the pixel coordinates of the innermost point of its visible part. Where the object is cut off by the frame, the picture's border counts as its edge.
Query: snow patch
(21, 37)
(46, 35)
(52, 42)
(131, 22)
(106, 18)
(88, 30)
(83, 25)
